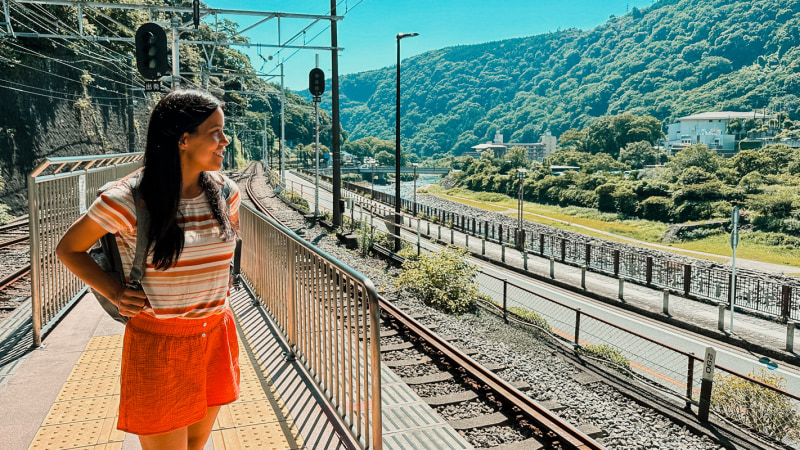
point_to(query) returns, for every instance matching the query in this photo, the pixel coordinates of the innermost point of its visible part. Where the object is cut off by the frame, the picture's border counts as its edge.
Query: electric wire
(34, 15)
(49, 96)
(327, 27)
(77, 49)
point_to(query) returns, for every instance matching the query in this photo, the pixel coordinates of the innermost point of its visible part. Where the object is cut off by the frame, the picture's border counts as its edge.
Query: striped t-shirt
(198, 285)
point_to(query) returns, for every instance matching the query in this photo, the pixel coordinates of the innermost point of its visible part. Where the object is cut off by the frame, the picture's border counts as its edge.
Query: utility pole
(283, 131)
(176, 73)
(336, 154)
(264, 150)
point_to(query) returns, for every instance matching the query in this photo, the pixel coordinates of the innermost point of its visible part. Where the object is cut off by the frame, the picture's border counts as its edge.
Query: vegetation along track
(479, 404)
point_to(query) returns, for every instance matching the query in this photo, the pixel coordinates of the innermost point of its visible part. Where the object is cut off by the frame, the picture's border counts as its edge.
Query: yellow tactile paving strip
(84, 415)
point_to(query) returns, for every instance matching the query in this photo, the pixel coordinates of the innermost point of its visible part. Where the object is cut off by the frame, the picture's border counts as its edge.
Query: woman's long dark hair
(178, 112)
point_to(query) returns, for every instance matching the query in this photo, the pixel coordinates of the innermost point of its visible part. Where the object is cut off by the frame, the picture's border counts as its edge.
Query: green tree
(747, 161)
(694, 156)
(572, 140)
(517, 157)
(609, 134)
(638, 154)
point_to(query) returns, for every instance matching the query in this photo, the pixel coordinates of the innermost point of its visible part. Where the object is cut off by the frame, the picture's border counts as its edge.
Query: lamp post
(520, 241)
(397, 148)
(415, 204)
(372, 179)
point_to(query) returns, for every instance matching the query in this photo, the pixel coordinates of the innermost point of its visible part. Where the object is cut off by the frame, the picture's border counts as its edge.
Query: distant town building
(709, 128)
(535, 151)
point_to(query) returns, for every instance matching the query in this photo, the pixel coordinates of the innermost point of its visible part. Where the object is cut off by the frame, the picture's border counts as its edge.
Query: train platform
(65, 394)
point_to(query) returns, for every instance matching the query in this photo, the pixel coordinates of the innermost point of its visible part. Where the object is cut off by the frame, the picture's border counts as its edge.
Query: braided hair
(219, 207)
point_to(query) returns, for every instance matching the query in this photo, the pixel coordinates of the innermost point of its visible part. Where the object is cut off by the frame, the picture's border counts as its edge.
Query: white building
(533, 151)
(709, 128)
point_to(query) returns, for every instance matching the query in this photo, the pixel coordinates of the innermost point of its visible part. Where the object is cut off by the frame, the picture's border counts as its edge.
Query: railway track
(411, 348)
(15, 265)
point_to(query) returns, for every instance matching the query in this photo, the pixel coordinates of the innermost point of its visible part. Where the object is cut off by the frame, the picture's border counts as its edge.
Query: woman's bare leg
(193, 437)
(173, 440)
(199, 432)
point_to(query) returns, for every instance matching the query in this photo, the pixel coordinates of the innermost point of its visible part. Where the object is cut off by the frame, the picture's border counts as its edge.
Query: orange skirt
(174, 369)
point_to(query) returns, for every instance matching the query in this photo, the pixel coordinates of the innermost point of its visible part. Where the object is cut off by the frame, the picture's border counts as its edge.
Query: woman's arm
(72, 250)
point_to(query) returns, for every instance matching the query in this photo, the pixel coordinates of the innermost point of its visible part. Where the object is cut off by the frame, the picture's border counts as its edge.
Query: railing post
(689, 382)
(552, 267)
(687, 279)
(621, 286)
(786, 298)
(649, 270)
(790, 327)
(541, 244)
(665, 306)
(505, 300)
(583, 277)
(563, 249)
(483, 246)
(588, 255)
(502, 252)
(577, 327)
(721, 319)
(616, 263)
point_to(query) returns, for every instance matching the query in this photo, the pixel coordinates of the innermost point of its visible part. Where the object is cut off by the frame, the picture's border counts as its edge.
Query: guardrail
(329, 314)
(59, 191)
(744, 399)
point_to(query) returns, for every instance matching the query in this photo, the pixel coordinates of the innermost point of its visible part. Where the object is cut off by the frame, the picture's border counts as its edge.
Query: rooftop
(726, 115)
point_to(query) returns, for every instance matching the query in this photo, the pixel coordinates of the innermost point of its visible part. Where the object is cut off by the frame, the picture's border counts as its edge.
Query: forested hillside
(63, 97)
(672, 59)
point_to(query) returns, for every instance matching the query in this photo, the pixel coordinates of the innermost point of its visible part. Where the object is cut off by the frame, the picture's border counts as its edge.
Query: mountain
(674, 58)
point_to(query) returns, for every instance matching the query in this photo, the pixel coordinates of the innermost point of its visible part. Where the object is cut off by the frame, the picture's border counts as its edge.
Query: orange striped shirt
(197, 286)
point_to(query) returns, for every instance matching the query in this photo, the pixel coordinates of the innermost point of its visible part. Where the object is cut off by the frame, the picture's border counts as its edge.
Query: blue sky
(367, 32)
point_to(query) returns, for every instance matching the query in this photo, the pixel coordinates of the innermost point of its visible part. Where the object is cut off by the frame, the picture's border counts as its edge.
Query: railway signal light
(316, 82)
(151, 51)
(196, 13)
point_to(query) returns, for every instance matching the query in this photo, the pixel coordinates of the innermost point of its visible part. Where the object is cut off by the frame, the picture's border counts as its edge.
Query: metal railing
(757, 401)
(329, 314)
(59, 191)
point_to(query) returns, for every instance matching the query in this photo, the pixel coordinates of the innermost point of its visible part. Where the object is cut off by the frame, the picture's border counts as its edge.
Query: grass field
(608, 226)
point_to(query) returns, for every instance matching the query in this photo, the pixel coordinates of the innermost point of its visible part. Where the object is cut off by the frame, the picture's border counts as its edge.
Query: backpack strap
(142, 231)
(237, 252)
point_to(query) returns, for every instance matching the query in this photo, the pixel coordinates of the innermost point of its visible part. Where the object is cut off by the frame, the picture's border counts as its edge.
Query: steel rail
(13, 241)
(568, 436)
(5, 282)
(13, 226)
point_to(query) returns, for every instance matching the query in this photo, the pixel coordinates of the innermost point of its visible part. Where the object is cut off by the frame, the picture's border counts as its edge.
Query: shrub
(530, 317)
(444, 280)
(755, 406)
(612, 357)
(294, 197)
(656, 208)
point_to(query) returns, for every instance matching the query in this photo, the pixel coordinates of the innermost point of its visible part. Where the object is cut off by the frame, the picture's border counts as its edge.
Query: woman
(180, 354)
